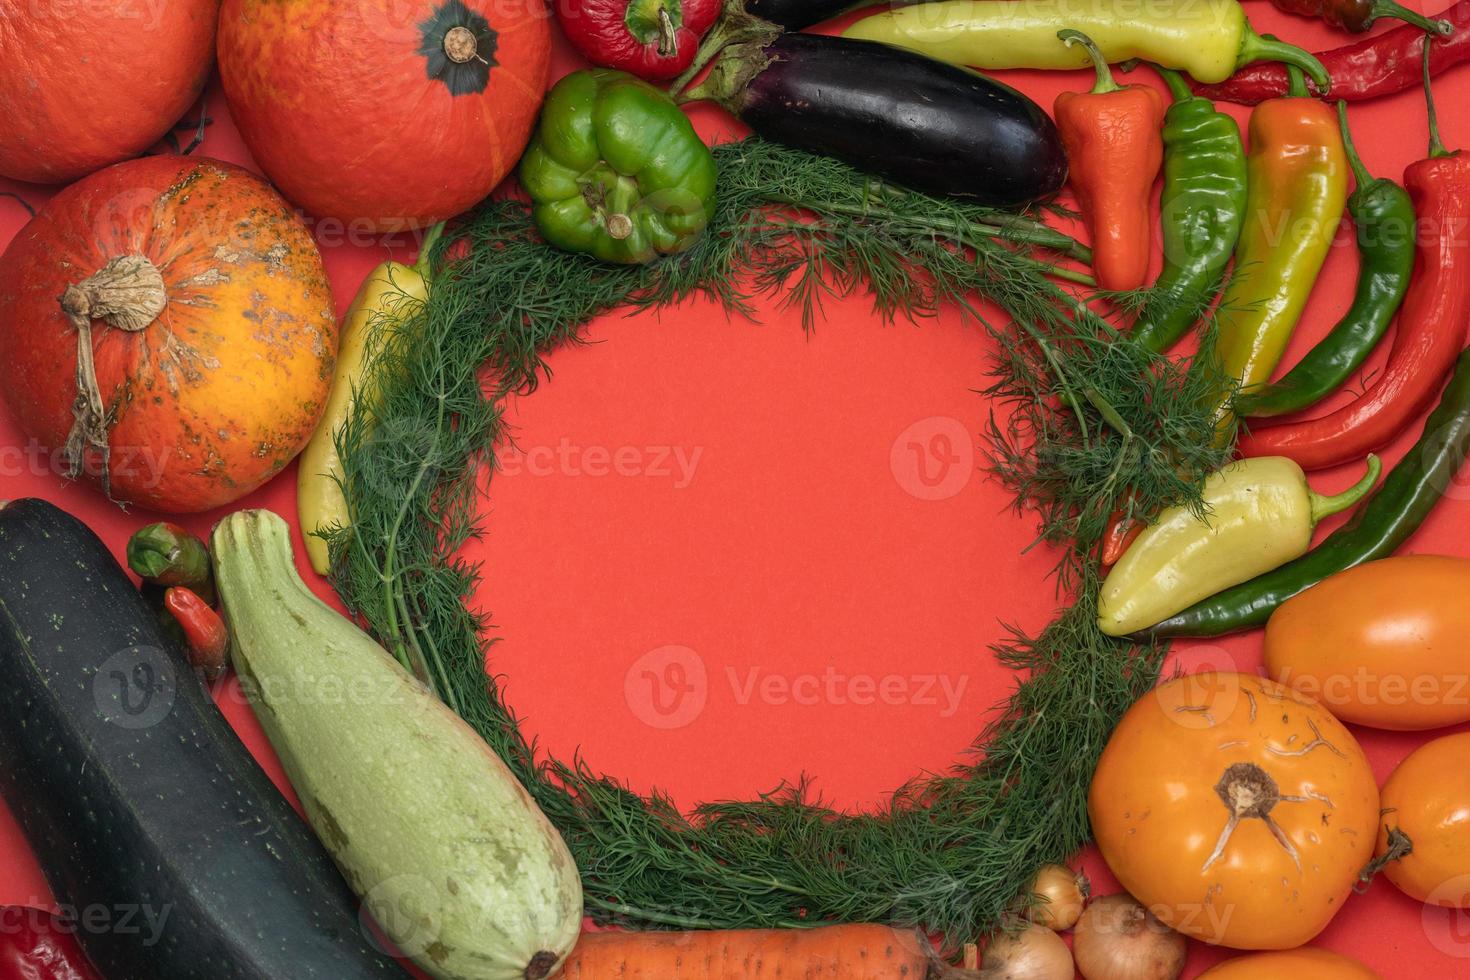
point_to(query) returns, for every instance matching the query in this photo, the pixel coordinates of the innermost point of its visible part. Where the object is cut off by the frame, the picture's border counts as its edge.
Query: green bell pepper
(616, 170)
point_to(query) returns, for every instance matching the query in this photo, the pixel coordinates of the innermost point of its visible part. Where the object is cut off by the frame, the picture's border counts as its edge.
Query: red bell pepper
(36, 945)
(653, 39)
(1431, 324)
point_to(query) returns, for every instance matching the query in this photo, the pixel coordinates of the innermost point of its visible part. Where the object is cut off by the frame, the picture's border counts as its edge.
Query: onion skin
(1058, 895)
(1035, 953)
(1119, 939)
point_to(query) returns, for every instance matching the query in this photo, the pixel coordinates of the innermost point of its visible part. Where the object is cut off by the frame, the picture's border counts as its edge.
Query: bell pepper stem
(1178, 87)
(1397, 11)
(1323, 507)
(1263, 47)
(426, 250)
(1361, 177)
(1436, 145)
(668, 43)
(1105, 80)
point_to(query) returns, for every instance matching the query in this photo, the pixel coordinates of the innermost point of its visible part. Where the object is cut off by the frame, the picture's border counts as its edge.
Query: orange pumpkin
(1427, 801)
(1235, 810)
(384, 114)
(86, 85)
(1296, 964)
(1386, 644)
(190, 351)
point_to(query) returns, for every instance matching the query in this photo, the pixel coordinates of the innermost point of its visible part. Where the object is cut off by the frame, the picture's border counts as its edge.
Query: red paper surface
(724, 554)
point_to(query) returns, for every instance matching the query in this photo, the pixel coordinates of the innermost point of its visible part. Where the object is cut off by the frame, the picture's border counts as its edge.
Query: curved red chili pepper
(36, 945)
(1380, 65)
(1431, 326)
(209, 641)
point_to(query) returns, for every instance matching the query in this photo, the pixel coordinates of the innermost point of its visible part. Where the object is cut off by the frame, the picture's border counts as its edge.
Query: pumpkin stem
(460, 45)
(127, 293)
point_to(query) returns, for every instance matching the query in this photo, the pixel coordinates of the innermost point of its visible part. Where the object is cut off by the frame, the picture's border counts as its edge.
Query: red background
(834, 562)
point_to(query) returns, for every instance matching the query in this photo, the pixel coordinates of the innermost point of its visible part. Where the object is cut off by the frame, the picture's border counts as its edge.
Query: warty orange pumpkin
(167, 327)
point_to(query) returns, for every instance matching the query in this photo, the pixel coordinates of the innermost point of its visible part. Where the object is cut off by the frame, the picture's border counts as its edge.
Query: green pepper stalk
(1202, 208)
(617, 171)
(1260, 514)
(167, 555)
(1383, 215)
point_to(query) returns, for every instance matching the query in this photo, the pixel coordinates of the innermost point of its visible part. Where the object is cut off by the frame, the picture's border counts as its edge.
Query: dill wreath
(1085, 424)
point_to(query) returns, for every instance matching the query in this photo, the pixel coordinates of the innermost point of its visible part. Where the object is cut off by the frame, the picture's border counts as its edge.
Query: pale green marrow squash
(448, 851)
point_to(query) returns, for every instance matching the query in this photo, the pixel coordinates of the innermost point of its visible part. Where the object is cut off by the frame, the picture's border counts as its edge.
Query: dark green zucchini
(146, 811)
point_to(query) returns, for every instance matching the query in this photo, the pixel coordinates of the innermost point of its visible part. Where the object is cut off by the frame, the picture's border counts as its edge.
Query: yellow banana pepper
(1261, 514)
(319, 498)
(1210, 39)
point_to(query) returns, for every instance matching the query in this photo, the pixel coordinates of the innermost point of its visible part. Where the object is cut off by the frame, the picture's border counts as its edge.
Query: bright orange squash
(1307, 963)
(384, 114)
(166, 328)
(86, 85)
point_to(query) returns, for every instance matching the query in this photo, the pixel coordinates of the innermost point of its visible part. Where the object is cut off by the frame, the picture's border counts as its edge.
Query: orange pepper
(1114, 142)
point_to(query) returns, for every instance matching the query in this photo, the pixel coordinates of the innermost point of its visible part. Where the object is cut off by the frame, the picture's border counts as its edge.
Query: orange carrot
(846, 952)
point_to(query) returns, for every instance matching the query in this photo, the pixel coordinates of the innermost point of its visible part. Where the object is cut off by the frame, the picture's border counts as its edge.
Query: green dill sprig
(1085, 422)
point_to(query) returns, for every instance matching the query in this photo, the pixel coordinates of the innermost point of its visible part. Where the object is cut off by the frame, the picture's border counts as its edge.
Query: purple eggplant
(796, 14)
(896, 114)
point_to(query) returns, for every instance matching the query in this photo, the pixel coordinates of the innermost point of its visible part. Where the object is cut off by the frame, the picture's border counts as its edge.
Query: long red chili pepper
(35, 945)
(1431, 324)
(1380, 65)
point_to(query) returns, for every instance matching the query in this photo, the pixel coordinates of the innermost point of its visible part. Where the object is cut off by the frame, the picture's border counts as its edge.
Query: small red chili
(204, 630)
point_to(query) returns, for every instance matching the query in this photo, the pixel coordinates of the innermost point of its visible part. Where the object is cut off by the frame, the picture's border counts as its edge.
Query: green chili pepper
(1202, 206)
(616, 170)
(1376, 530)
(1383, 215)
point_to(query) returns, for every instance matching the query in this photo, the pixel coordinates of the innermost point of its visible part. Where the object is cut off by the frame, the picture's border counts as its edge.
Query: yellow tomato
(1297, 964)
(1236, 810)
(1382, 645)
(1427, 800)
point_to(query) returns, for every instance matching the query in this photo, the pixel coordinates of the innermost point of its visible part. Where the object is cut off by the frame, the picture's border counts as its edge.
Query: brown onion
(1034, 953)
(1119, 939)
(1057, 896)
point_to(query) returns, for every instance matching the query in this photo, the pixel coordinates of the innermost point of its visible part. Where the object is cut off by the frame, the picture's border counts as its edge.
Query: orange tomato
(1236, 810)
(1297, 964)
(1427, 799)
(1386, 644)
